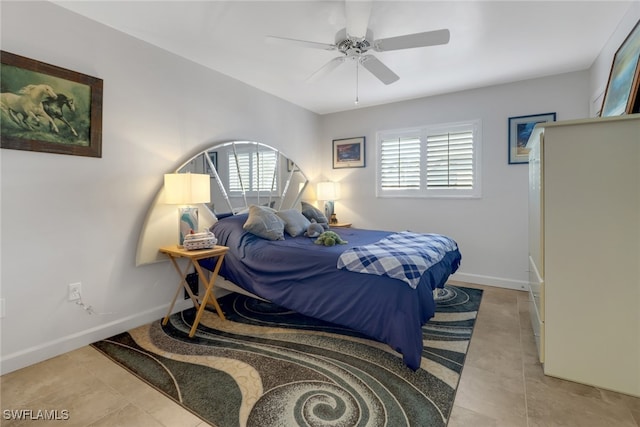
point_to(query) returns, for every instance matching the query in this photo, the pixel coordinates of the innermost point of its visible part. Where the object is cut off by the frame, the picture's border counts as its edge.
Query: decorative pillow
(295, 224)
(311, 212)
(263, 222)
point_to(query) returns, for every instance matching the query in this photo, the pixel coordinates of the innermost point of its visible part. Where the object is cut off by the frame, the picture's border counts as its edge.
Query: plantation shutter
(264, 165)
(450, 160)
(234, 177)
(256, 171)
(400, 163)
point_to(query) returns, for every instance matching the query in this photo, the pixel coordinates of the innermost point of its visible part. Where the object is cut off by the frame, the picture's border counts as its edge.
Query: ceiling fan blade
(378, 69)
(357, 13)
(300, 43)
(428, 38)
(326, 68)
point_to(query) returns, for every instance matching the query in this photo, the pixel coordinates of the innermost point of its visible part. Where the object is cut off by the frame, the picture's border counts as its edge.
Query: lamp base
(188, 221)
(333, 219)
(328, 209)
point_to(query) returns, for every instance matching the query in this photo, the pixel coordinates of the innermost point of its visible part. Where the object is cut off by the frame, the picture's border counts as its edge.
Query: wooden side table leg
(211, 284)
(208, 295)
(183, 283)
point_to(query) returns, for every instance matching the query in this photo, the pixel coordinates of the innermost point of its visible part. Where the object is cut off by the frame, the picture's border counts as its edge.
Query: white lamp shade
(328, 190)
(186, 188)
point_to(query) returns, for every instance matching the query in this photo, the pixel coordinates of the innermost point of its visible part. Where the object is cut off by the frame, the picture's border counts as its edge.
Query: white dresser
(584, 250)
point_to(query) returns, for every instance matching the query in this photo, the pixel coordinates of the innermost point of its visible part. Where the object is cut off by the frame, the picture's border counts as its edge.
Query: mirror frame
(160, 227)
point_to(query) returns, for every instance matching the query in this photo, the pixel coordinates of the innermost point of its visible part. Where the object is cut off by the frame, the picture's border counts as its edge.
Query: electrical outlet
(74, 291)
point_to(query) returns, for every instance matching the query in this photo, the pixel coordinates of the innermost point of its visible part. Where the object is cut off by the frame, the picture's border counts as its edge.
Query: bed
(300, 275)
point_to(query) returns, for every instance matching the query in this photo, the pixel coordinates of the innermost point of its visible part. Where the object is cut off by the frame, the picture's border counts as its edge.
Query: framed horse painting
(49, 109)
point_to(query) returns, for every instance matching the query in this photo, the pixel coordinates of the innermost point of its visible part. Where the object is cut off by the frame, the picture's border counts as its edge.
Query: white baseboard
(499, 282)
(47, 350)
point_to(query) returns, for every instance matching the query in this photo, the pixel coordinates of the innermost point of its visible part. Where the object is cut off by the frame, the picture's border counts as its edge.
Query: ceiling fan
(356, 40)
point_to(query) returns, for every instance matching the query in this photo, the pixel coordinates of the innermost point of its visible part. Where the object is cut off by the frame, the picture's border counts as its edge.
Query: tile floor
(502, 384)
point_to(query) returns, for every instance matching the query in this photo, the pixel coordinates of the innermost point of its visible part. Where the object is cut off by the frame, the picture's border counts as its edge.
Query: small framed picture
(622, 93)
(349, 153)
(213, 156)
(520, 129)
(291, 166)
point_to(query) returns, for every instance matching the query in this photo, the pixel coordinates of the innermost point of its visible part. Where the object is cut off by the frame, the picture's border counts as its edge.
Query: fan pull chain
(357, 64)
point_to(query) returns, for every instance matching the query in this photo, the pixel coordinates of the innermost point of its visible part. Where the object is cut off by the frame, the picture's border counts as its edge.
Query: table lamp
(329, 192)
(187, 189)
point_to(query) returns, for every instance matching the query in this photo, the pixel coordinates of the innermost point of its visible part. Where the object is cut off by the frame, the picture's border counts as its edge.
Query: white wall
(72, 219)
(491, 231)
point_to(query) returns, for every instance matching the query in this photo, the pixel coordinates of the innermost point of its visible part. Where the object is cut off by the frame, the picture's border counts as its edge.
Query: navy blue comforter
(302, 276)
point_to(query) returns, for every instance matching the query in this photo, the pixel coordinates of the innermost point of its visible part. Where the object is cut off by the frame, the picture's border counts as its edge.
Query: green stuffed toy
(329, 238)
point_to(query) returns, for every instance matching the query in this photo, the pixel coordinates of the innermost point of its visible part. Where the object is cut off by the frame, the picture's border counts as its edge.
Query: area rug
(268, 366)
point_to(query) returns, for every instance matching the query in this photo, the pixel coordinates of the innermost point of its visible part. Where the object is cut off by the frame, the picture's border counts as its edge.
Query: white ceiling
(491, 42)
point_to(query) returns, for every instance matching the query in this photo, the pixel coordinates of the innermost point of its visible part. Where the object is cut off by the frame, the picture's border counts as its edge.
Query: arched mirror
(242, 173)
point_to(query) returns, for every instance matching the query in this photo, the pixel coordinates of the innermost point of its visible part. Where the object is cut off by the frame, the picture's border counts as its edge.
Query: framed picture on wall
(49, 109)
(621, 95)
(213, 156)
(520, 129)
(349, 153)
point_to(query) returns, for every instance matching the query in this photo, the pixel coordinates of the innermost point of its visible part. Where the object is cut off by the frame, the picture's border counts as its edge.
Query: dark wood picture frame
(349, 153)
(49, 109)
(622, 95)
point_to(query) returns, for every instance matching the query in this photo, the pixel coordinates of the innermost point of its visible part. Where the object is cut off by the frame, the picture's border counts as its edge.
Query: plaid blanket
(405, 256)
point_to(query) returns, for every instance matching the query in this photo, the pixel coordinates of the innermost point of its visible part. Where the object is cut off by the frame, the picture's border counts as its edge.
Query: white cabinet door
(590, 277)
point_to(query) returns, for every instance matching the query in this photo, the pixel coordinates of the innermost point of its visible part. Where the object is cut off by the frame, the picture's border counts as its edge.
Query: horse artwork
(28, 103)
(48, 108)
(54, 108)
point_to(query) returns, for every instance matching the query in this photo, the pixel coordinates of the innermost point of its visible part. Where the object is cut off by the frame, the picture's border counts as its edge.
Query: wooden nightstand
(174, 252)
(340, 225)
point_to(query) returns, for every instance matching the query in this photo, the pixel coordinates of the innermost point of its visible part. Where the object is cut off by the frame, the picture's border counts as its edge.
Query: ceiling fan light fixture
(356, 40)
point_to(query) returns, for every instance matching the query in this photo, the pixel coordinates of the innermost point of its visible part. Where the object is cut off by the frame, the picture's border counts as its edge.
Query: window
(257, 171)
(432, 161)
(400, 162)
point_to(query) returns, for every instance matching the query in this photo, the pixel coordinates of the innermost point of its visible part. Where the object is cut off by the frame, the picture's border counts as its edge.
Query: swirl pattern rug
(267, 366)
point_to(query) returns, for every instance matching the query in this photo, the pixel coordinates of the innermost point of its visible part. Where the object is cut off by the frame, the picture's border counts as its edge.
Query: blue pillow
(295, 224)
(263, 222)
(311, 212)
